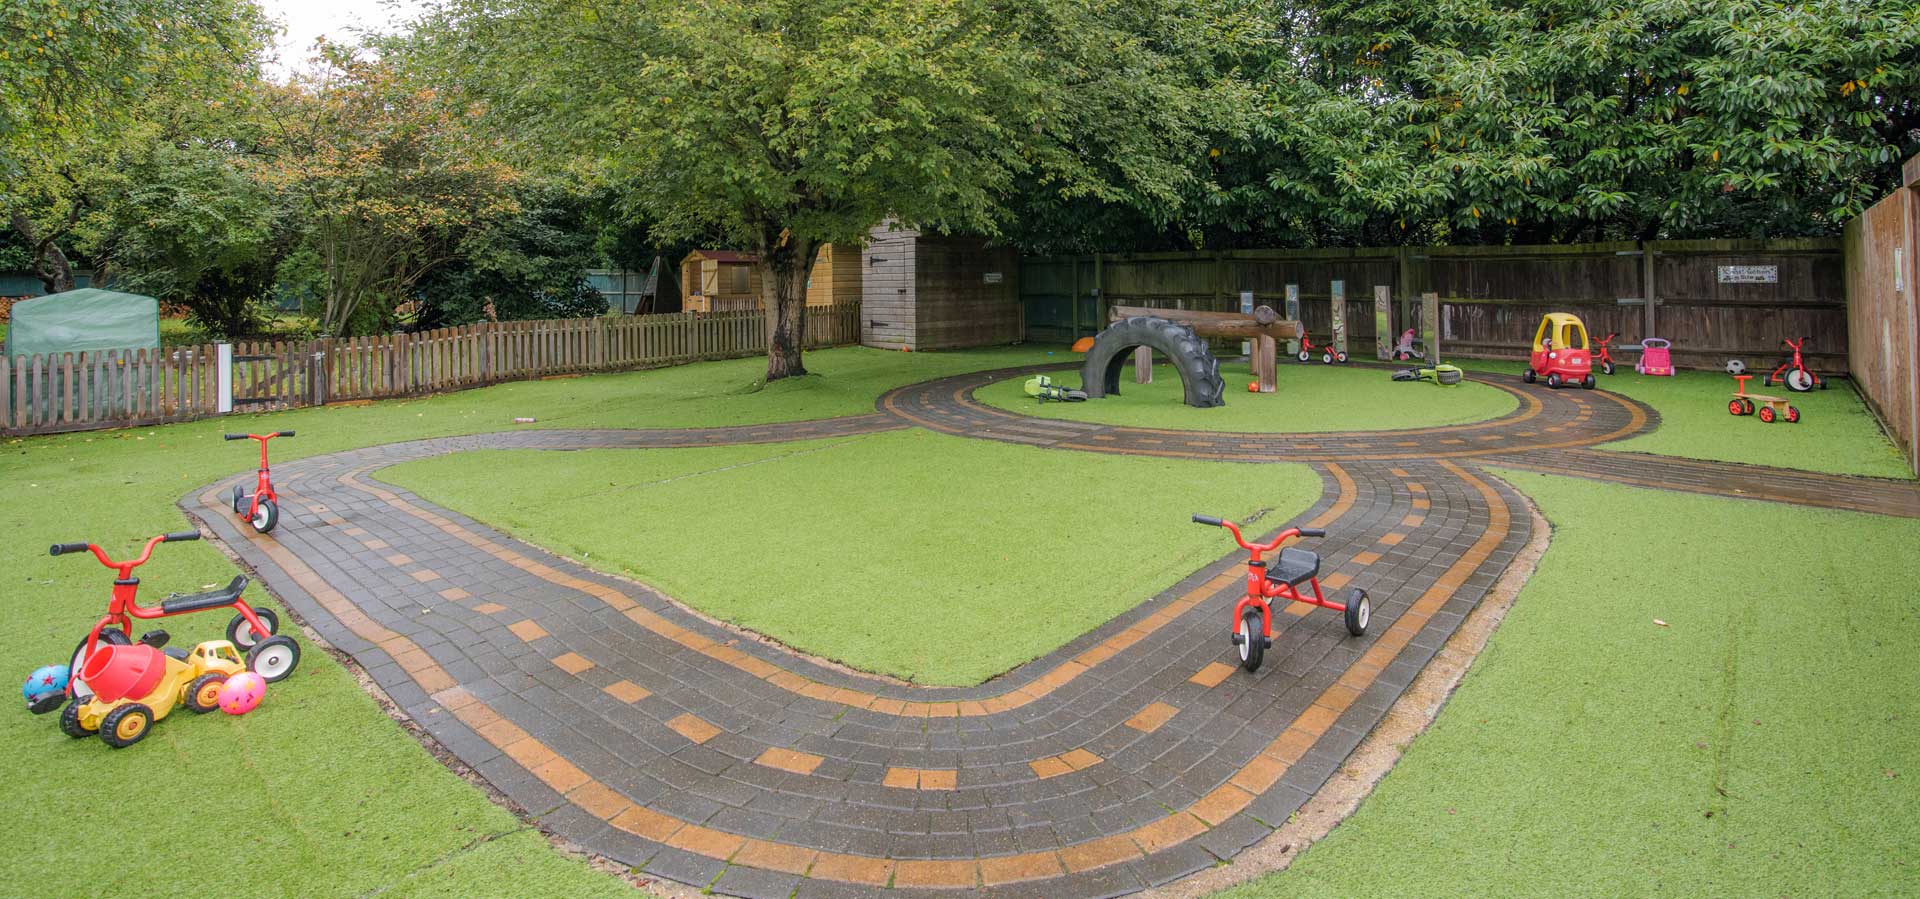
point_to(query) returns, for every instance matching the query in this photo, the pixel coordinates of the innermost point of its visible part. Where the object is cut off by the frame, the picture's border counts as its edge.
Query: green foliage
(1535, 121)
(526, 264)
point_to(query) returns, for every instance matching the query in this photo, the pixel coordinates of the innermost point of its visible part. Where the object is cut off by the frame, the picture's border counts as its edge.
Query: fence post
(223, 378)
(1646, 285)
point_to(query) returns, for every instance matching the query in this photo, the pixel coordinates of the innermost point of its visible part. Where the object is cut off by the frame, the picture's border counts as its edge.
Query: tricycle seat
(213, 599)
(1296, 566)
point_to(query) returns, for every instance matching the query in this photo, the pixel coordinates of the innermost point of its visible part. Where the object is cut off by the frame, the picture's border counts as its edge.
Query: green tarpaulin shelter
(101, 323)
(82, 321)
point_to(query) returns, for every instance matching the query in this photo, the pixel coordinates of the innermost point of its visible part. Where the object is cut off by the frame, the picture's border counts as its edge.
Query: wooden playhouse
(729, 280)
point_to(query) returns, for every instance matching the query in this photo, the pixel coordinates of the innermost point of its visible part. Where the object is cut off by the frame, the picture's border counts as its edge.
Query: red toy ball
(1253, 386)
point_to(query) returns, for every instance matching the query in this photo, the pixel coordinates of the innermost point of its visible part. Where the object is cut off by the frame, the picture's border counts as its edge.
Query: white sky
(306, 20)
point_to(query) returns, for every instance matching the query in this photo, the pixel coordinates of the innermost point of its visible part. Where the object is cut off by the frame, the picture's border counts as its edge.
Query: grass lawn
(1760, 744)
(1309, 398)
(1837, 435)
(890, 568)
(318, 785)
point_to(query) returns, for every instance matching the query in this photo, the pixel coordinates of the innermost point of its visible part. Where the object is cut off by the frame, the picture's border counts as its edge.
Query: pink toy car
(1655, 358)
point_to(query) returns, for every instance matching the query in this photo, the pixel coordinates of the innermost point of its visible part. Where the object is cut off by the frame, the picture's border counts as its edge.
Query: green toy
(1442, 374)
(1042, 388)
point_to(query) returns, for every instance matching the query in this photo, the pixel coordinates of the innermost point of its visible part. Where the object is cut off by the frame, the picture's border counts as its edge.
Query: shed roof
(724, 255)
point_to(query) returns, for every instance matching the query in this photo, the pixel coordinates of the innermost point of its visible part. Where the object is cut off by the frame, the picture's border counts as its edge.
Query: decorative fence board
(1883, 310)
(69, 392)
(1491, 297)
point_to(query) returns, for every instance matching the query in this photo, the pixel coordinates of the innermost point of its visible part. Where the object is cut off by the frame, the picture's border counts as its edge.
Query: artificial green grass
(936, 559)
(1838, 435)
(322, 793)
(1308, 398)
(1760, 743)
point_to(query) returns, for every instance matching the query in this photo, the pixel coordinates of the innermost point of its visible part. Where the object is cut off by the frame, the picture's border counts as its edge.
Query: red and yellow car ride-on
(1560, 354)
(1253, 615)
(136, 685)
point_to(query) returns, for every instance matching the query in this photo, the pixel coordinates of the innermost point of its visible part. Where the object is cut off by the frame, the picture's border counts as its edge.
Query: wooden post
(1430, 325)
(1142, 365)
(1382, 322)
(1293, 314)
(1339, 300)
(1647, 295)
(1265, 353)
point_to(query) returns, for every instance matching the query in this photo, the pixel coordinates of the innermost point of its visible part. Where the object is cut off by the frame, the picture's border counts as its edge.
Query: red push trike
(1794, 372)
(1603, 353)
(1253, 617)
(1328, 354)
(253, 631)
(262, 507)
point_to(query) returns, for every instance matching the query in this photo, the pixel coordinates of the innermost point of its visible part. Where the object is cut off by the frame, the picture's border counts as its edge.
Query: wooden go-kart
(1769, 408)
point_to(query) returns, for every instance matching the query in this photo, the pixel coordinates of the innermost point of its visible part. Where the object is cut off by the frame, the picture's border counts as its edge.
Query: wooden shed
(928, 291)
(719, 281)
(729, 281)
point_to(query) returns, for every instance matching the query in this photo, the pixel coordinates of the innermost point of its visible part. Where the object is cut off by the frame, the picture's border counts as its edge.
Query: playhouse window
(736, 279)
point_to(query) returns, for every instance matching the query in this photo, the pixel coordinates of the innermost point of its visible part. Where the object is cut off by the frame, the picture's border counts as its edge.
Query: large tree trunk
(786, 262)
(50, 263)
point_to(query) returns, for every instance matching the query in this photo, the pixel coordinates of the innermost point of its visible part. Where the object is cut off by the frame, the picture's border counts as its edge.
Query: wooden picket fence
(121, 388)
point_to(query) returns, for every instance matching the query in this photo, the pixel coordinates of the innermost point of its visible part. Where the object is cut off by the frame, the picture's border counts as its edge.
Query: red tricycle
(253, 631)
(1328, 354)
(1560, 352)
(1794, 372)
(1603, 353)
(262, 507)
(1253, 617)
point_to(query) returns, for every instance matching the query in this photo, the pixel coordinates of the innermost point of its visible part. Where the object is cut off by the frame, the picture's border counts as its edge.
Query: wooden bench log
(1263, 322)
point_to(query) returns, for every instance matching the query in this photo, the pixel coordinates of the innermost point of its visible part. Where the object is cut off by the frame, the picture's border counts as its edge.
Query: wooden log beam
(1264, 321)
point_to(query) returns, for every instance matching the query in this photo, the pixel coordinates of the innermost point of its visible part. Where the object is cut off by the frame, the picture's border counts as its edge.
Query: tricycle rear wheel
(274, 658)
(1253, 638)
(240, 633)
(1359, 612)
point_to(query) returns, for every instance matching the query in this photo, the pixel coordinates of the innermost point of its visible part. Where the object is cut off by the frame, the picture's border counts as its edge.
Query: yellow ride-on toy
(134, 686)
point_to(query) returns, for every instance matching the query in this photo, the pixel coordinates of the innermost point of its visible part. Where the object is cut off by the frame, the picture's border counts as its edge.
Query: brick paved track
(1130, 757)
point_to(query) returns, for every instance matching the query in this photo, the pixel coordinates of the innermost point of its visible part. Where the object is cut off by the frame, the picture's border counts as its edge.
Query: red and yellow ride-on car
(1560, 354)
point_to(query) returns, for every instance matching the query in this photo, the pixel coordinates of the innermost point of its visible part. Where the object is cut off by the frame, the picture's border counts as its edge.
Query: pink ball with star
(242, 692)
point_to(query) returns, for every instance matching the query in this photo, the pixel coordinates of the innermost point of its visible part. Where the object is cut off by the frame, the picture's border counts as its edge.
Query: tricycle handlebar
(1206, 520)
(257, 436)
(59, 548)
(179, 536)
(1312, 532)
(233, 436)
(1278, 539)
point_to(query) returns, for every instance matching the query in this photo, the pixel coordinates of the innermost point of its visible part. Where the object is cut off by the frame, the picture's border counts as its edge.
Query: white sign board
(1749, 274)
(994, 277)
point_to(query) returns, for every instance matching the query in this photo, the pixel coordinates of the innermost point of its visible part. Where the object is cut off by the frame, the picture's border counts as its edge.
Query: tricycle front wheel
(1359, 612)
(266, 514)
(241, 634)
(274, 658)
(1253, 638)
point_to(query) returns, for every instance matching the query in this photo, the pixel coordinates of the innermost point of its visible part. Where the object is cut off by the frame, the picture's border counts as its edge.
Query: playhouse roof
(724, 256)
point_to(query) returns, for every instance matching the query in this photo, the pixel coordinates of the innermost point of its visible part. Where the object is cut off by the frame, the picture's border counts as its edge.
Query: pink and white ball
(242, 693)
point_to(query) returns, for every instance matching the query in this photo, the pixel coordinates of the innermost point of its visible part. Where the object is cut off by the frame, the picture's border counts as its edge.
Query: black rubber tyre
(1747, 406)
(240, 634)
(1793, 415)
(1766, 414)
(1253, 642)
(1192, 360)
(70, 721)
(1736, 406)
(1359, 612)
(1326, 358)
(126, 725)
(76, 687)
(1588, 382)
(1554, 381)
(1340, 358)
(1606, 368)
(1767, 381)
(274, 658)
(1304, 357)
(204, 695)
(1528, 376)
(46, 703)
(239, 500)
(1799, 380)
(265, 516)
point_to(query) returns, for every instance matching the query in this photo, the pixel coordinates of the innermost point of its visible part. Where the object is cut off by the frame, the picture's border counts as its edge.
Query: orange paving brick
(903, 778)
(426, 574)
(645, 822)
(937, 874)
(939, 779)
(455, 594)
(1051, 766)
(1080, 759)
(573, 663)
(693, 728)
(852, 869)
(528, 630)
(782, 857)
(1019, 868)
(789, 760)
(627, 691)
(489, 608)
(1150, 718)
(1366, 558)
(1099, 853)
(398, 559)
(1212, 675)
(599, 800)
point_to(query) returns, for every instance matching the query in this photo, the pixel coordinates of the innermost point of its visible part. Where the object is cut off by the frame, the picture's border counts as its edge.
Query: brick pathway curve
(1132, 756)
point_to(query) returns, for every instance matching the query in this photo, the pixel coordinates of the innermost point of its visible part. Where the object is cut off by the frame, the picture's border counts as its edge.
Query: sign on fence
(1749, 274)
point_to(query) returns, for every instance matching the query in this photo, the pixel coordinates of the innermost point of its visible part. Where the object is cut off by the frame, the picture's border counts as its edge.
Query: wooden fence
(73, 392)
(1883, 310)
(1715, 299)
